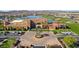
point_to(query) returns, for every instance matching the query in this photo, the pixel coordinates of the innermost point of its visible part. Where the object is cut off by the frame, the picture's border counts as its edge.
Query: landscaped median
(8, 43)
(58, 31)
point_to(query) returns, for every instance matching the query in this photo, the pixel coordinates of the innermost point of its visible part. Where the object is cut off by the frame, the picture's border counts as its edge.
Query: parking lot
(4, 35)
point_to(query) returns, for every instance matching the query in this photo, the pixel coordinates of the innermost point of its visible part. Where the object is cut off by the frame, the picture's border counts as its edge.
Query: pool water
(30, 17)
(19, 18)
(34, 17)
(50, 21)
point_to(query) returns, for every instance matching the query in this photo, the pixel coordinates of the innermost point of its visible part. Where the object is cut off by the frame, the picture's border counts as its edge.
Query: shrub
(55, 32)
(69, 40)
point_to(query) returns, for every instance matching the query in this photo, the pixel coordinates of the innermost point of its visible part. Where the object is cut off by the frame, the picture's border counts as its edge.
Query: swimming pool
(19, 18)
(30, 17)
(50, 21)
(34, 16)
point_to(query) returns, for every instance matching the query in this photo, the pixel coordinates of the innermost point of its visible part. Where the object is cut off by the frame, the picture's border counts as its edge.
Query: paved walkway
(29, 38)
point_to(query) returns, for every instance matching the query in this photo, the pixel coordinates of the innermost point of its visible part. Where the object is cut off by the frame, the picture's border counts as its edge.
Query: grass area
(74, 27)
(1, 24)
(69, 40)
(63, 20)
(8, 43)
(61, 30)
(48, 17)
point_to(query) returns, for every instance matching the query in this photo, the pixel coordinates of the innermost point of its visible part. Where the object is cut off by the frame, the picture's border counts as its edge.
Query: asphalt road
(75, 36)
(2, 37)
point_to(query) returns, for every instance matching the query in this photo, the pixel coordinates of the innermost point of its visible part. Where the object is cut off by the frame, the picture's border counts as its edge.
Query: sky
(39, 5)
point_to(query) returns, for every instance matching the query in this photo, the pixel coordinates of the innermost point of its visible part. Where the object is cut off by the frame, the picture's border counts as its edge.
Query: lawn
(1, 25)
(61, 30)
(74, 27)
(8, 43)
(49, 17)
(69, 40)
(64, 20)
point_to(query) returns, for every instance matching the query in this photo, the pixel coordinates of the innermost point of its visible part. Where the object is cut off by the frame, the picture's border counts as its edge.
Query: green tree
(69, 40)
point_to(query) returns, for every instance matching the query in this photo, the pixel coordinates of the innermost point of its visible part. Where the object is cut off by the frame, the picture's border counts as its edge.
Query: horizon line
(36, 10)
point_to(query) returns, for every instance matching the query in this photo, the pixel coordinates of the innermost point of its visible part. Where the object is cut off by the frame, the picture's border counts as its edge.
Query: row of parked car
(15, 33)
